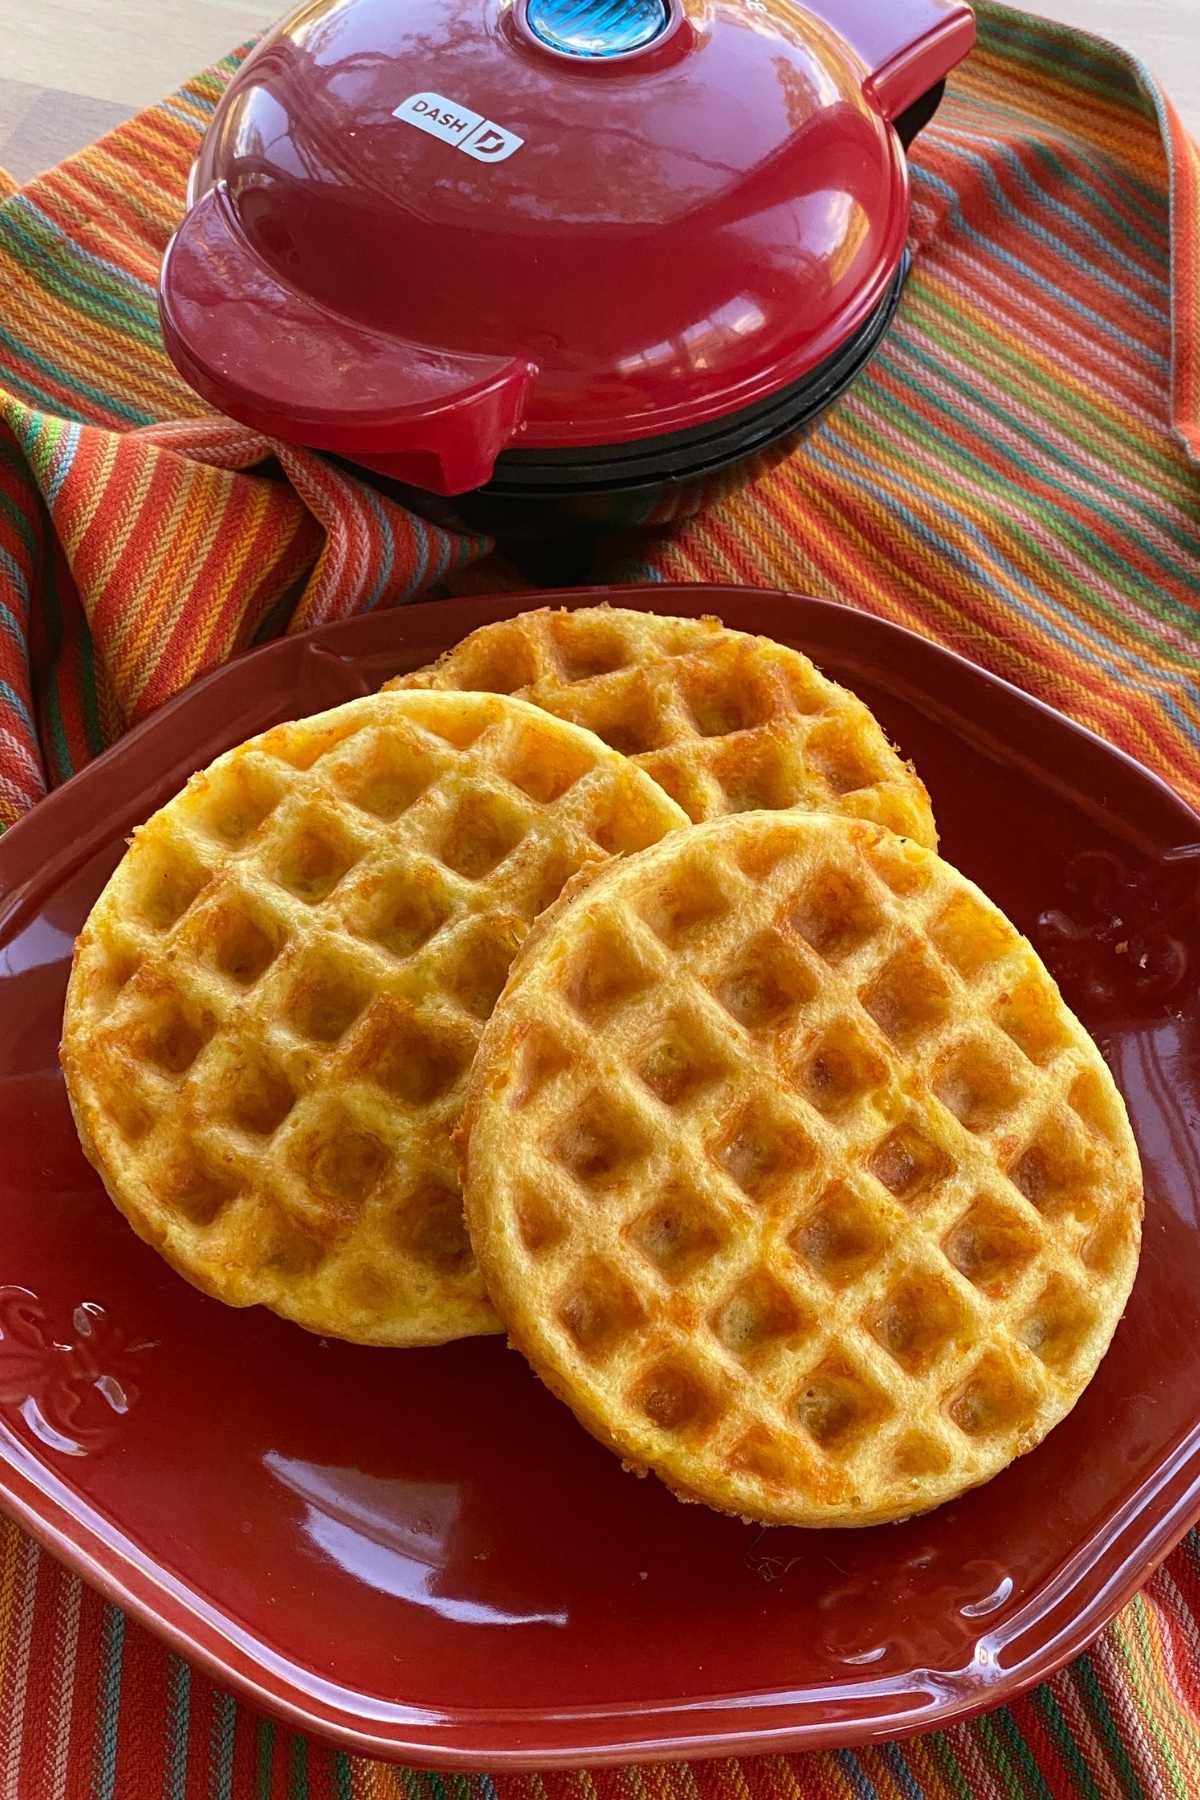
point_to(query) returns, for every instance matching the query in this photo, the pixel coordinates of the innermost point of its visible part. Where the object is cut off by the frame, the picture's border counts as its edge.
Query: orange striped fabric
(1016, 477)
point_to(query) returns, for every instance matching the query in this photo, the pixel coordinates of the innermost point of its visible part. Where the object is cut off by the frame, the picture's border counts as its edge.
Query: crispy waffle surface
(725, 721)
(791, 1173)
(274, 1002)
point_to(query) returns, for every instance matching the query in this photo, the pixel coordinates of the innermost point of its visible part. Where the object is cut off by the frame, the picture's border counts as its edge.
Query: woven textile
(1014, 478)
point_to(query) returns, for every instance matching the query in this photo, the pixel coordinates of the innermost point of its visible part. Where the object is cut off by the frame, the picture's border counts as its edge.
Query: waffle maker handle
(299, 371)
(908, 46)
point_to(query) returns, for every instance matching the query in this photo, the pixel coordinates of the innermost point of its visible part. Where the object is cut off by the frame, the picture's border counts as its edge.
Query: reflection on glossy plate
(419, 1553)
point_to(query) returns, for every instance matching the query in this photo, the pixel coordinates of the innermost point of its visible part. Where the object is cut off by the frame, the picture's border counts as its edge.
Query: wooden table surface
(72, 68)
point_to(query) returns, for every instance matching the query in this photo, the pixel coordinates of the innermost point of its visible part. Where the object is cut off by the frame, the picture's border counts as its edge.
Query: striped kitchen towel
(1016, 478)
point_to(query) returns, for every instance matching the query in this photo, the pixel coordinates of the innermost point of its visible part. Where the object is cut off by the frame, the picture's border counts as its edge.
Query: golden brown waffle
(724, 721)
(790, 1172)
(274, 1002)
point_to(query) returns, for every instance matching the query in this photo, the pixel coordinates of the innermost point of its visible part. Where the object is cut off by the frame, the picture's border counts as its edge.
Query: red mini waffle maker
(528, 257)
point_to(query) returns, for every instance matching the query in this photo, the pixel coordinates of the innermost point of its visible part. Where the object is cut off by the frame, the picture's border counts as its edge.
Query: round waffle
(724, 721)
(791, 1173)
(274, 1002)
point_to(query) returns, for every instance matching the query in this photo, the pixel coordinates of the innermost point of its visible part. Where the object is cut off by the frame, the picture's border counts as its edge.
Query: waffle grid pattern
(1122, 1719)
(824, 1205)
(276, 1001)
(726, 722)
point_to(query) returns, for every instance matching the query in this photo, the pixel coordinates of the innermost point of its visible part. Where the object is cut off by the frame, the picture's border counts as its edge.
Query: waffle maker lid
(422, 232)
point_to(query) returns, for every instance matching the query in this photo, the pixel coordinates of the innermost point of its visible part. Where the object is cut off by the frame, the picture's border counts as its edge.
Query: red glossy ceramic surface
(419, 1552)
(543, 249)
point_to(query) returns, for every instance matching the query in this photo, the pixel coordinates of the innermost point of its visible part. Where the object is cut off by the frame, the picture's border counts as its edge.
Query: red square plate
(419, 1553)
